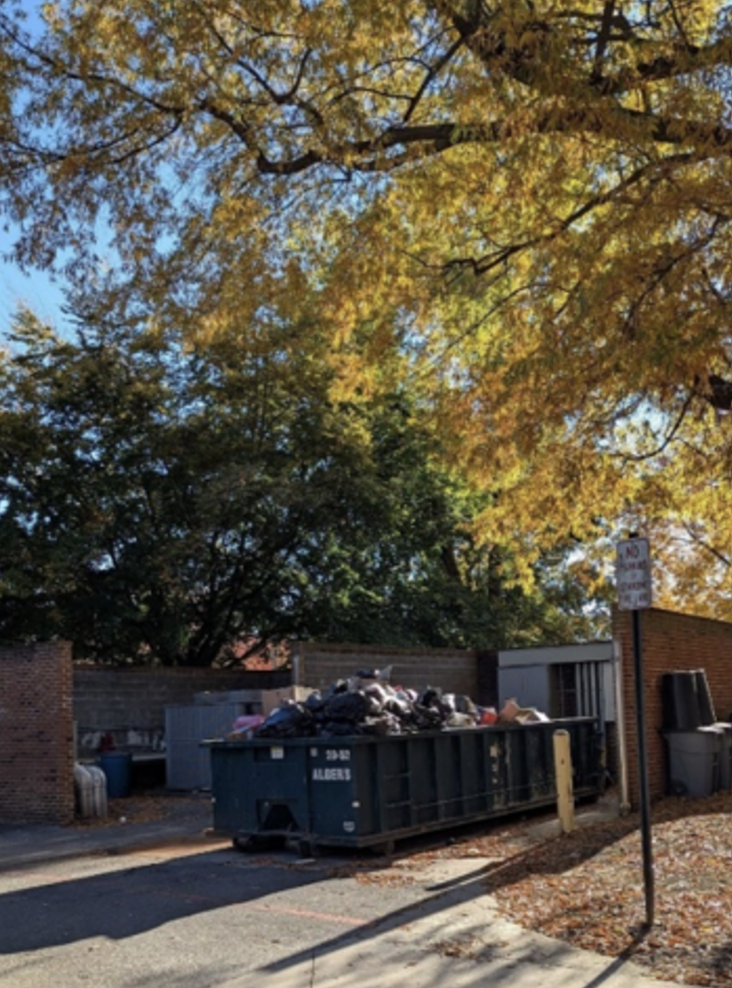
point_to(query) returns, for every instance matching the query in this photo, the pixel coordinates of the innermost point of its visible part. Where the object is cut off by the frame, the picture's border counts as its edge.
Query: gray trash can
(725, 756)
(694, 760)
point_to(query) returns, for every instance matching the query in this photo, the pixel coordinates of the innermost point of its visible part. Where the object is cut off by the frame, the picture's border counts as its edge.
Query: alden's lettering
(331, 774)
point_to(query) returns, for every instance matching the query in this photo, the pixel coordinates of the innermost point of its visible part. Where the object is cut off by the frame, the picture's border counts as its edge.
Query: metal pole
(618, 673)
(645, 799)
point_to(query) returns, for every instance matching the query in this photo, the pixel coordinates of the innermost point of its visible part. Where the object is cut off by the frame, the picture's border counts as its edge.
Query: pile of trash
(366, 704)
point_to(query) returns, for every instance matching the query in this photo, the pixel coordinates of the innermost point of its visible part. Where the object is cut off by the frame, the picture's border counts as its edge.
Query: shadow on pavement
(126, 902)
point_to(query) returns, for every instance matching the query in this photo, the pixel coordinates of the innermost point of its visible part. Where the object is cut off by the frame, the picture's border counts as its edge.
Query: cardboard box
(271, 699)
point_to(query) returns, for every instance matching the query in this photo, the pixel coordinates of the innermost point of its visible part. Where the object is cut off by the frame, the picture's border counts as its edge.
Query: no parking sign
(633, 575)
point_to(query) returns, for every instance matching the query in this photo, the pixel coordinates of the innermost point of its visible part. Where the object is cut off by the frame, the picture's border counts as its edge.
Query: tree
(162, 503)
(532, 194)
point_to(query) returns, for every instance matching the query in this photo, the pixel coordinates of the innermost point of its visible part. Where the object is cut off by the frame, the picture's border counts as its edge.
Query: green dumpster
(362, 791)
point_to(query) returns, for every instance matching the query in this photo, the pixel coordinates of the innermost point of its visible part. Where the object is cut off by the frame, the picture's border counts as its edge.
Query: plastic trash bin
(117, 766)
(725, 756)
(686, 700)
(693, 760)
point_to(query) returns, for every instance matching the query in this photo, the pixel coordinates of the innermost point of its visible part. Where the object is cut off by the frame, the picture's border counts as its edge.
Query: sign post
(633, 576)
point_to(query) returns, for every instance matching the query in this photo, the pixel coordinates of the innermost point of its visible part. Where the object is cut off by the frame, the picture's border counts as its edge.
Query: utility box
(187, 762)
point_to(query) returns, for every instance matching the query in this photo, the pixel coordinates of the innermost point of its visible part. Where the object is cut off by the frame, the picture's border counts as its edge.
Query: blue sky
(37, 290)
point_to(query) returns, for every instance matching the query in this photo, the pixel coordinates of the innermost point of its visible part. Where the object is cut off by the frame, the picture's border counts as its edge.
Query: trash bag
(245, 726)
(315, 702)
(430, 697)
(377, 692)
(464, 705)
(426, 718)
(348, 706)
(339, 686)
(366, 704)
(380, 726)
(408, 696)
(337, 728)
(402, 709)
(289, 721)
(460, 720)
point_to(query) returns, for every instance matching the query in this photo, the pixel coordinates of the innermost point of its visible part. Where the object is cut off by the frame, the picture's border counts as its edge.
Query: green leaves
(161, 502)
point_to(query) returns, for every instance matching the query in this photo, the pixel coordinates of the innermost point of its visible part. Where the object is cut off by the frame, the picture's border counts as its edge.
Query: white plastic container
(99, 790)
(90, 784)
(84, 789)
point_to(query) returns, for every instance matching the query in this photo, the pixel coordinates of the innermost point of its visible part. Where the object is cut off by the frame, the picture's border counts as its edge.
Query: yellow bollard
(563, 774)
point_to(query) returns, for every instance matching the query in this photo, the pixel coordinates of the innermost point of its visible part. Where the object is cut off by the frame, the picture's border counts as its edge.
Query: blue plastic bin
(117, 766)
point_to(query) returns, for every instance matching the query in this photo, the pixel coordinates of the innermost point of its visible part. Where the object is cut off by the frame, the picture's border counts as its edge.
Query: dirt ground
(149, 806)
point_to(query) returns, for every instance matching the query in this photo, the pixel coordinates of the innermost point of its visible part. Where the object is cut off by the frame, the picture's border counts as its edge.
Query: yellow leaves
(528, 222)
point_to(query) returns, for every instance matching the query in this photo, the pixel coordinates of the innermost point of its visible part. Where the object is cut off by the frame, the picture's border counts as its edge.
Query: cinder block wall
(129, 703)
(670, 642)
(36, 734)
(453, 670)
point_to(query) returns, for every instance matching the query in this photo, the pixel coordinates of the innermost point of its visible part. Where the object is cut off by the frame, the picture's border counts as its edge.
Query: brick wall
(129, 703)
(670, 642)
(454, 670)
(36, 734)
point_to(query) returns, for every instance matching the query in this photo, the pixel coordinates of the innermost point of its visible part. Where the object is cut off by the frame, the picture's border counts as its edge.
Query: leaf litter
(587, 889)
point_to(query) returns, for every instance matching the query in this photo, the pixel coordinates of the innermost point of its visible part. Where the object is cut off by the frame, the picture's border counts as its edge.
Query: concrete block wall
(670, 642)
(129, 703)
(36, 734)
(453, 670)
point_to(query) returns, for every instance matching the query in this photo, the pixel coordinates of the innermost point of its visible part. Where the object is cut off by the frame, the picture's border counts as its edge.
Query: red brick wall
(36, 734)
(670, 642)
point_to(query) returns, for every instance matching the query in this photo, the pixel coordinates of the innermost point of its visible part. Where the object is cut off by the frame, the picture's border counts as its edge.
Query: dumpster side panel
(421, 775)
(356, 791)
(259, 788)
(586, 750)
(339, 790)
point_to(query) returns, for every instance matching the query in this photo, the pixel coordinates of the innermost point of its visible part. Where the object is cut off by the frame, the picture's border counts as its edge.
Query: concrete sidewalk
(454, 935)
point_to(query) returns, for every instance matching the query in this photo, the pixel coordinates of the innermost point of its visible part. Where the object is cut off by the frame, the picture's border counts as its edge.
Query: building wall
(129, 703)
(528, 685)
(526, 674)
(36, 734)
(453, 670)
(670, 642)
(41, 696)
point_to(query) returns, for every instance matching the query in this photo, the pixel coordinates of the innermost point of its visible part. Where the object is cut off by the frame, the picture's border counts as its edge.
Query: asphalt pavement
(185, 818)
(453, 935)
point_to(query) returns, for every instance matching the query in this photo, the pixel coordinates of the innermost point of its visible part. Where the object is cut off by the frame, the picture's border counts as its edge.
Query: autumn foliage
(518, 209)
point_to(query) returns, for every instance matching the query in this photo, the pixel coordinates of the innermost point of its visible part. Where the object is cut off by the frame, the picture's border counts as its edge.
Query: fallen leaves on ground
(144, 808)
(587, 889)
(466, 947)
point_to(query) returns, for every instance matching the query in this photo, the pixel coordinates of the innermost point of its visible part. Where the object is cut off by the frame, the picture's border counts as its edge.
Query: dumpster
(366, 791)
